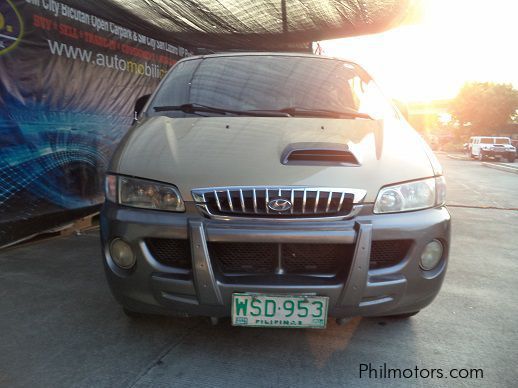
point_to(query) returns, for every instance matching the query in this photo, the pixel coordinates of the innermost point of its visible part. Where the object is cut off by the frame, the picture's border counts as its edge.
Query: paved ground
(497, 164)
(59, 326)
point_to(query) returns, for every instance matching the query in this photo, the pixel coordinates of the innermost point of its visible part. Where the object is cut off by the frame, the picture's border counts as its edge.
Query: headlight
(415, 195)
(143, 194)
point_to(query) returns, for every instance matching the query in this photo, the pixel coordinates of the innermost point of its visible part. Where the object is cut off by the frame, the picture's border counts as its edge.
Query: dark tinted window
(247, 83)
(175, 89)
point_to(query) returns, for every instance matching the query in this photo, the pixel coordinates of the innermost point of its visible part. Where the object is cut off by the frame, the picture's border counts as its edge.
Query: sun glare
(454, 42)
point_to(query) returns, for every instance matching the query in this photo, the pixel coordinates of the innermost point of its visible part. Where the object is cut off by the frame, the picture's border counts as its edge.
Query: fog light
(122, 254)
(432, 254)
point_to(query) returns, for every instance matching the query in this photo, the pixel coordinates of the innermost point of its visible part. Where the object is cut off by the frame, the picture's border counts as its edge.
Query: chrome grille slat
(303, 202)
(341, 202)
(317, 199)
(331, 193)
(229, 198)
(217, 200)
(242, 199)
(255, 201)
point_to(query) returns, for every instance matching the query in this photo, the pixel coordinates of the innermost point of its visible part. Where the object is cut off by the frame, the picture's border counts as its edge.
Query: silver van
(275, 189)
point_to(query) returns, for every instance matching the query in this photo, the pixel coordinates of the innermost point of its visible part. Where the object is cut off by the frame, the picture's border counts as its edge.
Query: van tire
(511, 159)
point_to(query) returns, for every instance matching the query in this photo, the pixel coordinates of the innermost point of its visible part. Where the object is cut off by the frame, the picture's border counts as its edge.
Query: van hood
(246, 151)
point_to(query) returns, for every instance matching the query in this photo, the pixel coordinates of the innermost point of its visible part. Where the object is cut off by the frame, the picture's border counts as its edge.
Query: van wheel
(402, 316)
(481, 157)
(511, 159)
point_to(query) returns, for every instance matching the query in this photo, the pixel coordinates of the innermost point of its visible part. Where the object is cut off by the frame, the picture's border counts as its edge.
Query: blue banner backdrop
(68, 81)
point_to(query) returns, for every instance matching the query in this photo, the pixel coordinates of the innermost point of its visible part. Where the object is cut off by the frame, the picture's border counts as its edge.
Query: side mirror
(139, 105)
(402, 107)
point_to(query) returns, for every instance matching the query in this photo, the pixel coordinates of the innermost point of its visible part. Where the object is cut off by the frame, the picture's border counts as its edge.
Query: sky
(454, 42)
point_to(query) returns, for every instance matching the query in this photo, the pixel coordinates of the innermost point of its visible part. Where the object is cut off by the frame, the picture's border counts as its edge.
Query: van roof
(490, 137)
(258, 54)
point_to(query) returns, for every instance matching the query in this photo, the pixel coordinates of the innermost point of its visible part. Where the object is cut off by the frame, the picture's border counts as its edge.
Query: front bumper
(153, 287)
(498, 153)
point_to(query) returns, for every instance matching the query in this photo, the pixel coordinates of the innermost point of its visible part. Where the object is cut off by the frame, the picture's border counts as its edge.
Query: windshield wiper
(194, 108)
(284, 112)
(351, 113)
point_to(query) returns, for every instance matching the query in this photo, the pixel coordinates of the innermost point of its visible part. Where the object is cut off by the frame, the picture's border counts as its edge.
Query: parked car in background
(484, 147)
(278, 189)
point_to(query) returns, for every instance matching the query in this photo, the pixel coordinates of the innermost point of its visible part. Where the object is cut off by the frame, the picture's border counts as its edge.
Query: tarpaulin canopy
(251, 24)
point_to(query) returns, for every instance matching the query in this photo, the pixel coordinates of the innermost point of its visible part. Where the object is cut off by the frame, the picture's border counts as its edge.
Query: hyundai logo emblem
(279, 205)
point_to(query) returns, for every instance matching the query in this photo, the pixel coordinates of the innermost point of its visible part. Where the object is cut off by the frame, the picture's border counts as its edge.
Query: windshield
(502, 140)
(270, 83)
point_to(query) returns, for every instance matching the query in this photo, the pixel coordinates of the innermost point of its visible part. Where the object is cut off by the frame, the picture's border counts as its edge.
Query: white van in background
(483, 147)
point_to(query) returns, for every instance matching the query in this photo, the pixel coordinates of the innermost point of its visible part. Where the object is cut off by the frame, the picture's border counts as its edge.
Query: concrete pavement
(496, 164)
(507, 167)
(60, 327)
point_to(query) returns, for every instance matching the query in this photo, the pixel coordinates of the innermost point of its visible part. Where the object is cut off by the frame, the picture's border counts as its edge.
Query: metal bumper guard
(348, 296)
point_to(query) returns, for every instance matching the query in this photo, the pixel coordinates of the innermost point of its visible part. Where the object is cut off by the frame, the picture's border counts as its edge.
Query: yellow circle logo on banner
(11, 27)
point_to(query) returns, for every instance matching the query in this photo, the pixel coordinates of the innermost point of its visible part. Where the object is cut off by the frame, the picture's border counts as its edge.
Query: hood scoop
(318, 154)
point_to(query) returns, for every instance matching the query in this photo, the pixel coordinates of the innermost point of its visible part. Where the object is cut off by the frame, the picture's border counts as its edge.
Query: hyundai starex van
(275, 189)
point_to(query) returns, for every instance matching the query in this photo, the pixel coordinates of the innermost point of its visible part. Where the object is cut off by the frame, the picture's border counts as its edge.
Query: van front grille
(170, 252)
(277, 202)
(387, 253)
(316, 258)
(263, 258)
(234, 258)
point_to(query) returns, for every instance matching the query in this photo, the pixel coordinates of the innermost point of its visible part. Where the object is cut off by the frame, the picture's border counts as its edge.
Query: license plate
(260, 310)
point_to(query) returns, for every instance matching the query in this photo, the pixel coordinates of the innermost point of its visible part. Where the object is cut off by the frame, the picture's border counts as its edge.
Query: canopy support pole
(284, 16)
